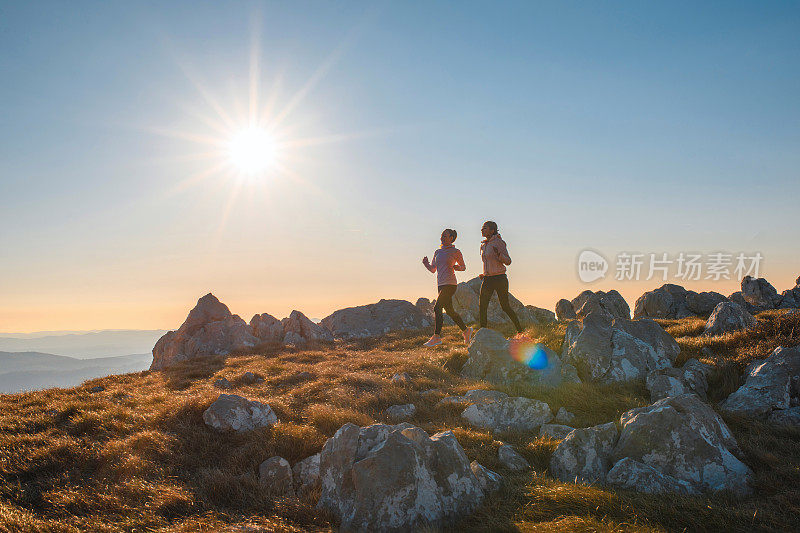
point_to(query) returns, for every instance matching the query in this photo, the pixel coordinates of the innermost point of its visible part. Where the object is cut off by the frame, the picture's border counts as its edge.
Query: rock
(431, 394)
(760, 293)
(403, 378)
(569, 374)
(251, 378)
(426, 306)
(401, 412)
(299, 330)
(375, 319)
(490, 360)
(681, 436)
(610, 302)
(305, 473)
(768, 386)
(611, 350)
(267, 328)
(674, 381)
(396, 478)
(555, 431)
(230, 412)
(564, 310)
(541, 316)
(737, 298)
(223, 383)
(210, 329)
(786, 417)
(668, 301)
(564, 417)
(728, 317)
(490, 481)
(97, 388)
(465, 302)
(453, 400)
(703, 303)
(511, 414)
(275, 475)
(584, 456)
(509, 458)
(631, 474)
(789, 300)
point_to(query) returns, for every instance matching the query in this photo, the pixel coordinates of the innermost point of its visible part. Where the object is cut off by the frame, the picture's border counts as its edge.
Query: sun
(253, 150)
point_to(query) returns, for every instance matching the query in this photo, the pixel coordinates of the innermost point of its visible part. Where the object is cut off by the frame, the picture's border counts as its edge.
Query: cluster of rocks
(490, 359)
(465, 302)
(230, 412)
(375, 319)
(771, 390)
(611, 303)
(211, 329)
(673, 301)
(678, 444)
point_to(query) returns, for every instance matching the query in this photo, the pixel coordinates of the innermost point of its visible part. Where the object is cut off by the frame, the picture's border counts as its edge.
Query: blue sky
(657, 127)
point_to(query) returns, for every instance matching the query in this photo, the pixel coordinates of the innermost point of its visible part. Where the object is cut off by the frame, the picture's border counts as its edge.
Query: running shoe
(433, 341)
(468, 335)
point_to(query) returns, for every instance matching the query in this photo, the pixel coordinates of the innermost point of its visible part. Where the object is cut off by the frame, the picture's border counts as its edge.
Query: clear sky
(656, 127)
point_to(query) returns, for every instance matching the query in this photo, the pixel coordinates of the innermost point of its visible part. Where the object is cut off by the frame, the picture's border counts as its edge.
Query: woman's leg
(487, 288)
(445, 299)
(502, 295)
(438, 319)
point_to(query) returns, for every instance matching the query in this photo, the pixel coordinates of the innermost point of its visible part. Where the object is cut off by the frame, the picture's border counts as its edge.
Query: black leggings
(445, 300)
(498, 283)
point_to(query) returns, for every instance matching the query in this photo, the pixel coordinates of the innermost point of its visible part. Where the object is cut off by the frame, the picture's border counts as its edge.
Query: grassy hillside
(137, 455)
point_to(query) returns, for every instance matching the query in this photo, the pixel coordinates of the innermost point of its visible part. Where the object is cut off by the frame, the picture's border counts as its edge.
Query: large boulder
(564, 310)
(267, 328)
(667, 301)
(537, 315)
(611, 302)
(728, 317)
(760, 293)
(465, 302)
(508, 414)
(490, 359)
(703, 303)
(682, 437)
(210, 329)
(305, 474)
(275, 475)
(631, 474)
(770, 386)
(692, 377)
(396, 478)
(375, 319)
(230, 412)
(300, 330)
(611, 350)
(584, 455)
(738, 299)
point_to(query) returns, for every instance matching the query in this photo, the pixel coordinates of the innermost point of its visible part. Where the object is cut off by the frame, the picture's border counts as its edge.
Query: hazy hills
(82, 345)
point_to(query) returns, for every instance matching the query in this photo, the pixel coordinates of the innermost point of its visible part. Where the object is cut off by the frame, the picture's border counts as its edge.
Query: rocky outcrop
(611, 350)
(299, 330)
(508, 414)
(426, 306)
(465, 302)
(759, 293)
(770, 386)
(692, 377)
(703, 303)
(230, 412)
(728, 317)
(275, 475)
(210, 329)
(610, 302)
(564, 310)
(538, 315)
(678, 444)
(397, 478)
(375, 319)
(584, 456)
(490, 359)
(682, 437)
(267, 328)
(673, 301)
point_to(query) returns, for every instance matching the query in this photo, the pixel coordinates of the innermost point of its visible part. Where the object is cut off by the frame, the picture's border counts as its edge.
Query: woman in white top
(446, 260)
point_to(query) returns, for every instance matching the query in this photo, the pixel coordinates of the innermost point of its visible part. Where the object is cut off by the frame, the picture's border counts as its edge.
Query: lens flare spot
(529, 353)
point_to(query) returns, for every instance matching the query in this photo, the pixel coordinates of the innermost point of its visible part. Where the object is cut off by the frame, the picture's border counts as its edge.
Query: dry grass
(137, 456)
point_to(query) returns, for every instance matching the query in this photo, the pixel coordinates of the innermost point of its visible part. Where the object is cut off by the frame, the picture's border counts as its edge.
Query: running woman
(446, 260)
(494, 255)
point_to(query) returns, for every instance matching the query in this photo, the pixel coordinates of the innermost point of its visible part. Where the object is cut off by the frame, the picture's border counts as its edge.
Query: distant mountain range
(21, 371)
(82, 345)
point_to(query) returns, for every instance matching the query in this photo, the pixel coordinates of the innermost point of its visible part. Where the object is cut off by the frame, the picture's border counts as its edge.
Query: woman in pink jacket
(494, 255)
(446, 260)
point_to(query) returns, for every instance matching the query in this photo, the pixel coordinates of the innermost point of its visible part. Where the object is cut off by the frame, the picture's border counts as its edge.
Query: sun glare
(252, 151)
